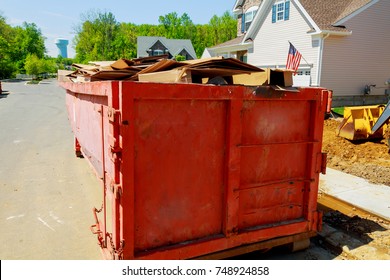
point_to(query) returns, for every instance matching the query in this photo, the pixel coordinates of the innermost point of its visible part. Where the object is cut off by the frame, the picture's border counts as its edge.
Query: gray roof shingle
(175, 46)
(233, 42)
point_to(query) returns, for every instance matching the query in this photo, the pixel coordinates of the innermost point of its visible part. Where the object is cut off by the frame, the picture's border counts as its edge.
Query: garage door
(302, 78)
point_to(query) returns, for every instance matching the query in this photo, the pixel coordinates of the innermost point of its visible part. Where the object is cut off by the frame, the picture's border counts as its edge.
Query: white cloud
(57, 15)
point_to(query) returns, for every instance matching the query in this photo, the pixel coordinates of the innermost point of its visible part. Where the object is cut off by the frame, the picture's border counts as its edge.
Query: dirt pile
(366, 159)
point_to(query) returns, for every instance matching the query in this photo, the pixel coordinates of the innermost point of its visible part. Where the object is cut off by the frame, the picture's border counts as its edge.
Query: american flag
(293, 58)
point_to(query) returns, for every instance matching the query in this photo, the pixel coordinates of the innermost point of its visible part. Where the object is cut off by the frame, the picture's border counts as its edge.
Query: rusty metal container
(200, 171)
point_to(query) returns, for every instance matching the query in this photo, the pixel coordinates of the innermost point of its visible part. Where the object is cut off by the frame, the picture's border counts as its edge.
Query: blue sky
(58, 18)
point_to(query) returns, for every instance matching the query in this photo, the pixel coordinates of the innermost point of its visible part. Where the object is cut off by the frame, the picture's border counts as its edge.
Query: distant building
(151, 46)
(62, 45)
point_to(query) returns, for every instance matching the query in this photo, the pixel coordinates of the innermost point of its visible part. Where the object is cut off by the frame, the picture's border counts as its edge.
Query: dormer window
(281, 11)
(158, 52)
(247, 18)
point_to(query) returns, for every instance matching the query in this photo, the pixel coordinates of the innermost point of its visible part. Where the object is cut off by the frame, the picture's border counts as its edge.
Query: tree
(20, 41)
(48, 66)
(176, 27)
(7, 67)
(125, 44)
(33, 65)
(36, 66)
(171, 24)
(61, 63)
(95, 37)
(150, 30)
(222, 28)
(180, 57)
(100, 37)
(202, 39)
(227, 28)
(28, 40)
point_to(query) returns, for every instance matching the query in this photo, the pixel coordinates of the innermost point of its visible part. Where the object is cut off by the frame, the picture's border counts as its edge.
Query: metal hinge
(112, 114)
(317, 221)
(324, 157)
(117, 190)
(321, 163)
(115, 155)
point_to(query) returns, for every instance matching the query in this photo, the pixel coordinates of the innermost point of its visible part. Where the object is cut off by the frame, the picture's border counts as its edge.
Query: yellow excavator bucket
(359, 121)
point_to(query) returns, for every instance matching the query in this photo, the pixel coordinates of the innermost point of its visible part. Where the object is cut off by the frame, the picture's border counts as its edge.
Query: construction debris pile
(216, 70)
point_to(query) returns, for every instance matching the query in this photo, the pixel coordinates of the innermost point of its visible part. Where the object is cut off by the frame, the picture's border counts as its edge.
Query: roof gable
(238, 4)
(322, 15)
(174, 46)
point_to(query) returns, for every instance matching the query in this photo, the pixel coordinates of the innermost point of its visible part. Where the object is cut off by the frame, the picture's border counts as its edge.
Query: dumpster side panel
(275, 121)
(86, 113)
(275, 143)
(88, 108)
(271, 204)
(179, 171)
(216, 167)
(191, 170)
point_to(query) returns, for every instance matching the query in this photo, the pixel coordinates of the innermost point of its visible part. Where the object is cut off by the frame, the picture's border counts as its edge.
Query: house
(151, 46)
(345, 44)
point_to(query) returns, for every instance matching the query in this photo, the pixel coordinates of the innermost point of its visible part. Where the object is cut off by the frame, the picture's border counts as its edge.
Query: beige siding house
(345, 44)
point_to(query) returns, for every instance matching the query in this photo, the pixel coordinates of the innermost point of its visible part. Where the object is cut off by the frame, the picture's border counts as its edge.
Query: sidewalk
(357, 191)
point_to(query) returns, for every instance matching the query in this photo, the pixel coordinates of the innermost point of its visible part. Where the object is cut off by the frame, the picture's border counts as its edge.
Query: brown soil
(366, 159)
(369, 160)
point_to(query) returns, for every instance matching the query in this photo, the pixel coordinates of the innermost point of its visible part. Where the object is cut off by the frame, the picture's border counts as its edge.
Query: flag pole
(310, 65)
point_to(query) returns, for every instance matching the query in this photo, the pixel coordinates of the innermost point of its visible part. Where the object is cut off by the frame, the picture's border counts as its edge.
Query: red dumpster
(200, 171)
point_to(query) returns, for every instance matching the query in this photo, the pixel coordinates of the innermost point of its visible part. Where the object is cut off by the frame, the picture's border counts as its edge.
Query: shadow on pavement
(3, 94)
(355, 226)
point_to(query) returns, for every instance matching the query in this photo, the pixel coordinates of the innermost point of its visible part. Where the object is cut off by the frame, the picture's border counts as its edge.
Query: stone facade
(246, 5)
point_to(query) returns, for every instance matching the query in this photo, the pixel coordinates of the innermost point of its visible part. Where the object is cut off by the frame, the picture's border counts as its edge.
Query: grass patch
(338, 110)
(33, 82)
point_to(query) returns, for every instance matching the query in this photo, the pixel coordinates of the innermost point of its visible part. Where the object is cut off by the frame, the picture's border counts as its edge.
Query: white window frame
(280, 8)
(158, 52)
(249, 16)
(279, 11)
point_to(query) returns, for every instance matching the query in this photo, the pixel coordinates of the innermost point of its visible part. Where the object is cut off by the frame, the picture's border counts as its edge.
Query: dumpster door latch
(112, 114)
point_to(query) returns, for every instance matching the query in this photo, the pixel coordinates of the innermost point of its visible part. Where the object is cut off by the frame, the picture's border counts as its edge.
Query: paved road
(46, 192)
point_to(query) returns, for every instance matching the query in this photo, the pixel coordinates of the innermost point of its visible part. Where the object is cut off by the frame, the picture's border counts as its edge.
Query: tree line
(100, 36)
(22, 50)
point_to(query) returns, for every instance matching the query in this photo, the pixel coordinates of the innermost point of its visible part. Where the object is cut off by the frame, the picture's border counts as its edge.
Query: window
(247, 18)
(158, 52)
(303, 72)
(281, 11)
